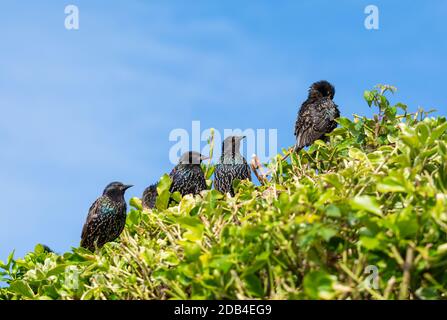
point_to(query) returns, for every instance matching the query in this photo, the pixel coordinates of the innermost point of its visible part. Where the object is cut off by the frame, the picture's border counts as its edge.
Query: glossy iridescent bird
(187, 178)
(149, 197)
(106, 218)
(232, 166)
(317, 115)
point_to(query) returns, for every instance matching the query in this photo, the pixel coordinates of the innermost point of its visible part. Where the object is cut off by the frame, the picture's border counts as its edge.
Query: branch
(255, 166)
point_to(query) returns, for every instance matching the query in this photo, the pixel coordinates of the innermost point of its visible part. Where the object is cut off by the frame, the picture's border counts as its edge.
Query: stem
(359, 281)
(211, 143)
(403, 294)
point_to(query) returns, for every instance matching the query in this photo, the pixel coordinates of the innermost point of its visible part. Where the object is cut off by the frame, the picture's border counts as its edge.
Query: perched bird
(46, 249)
(187, 178)
(232, 165)
(149, 197)
(316, 116)
(106, 217)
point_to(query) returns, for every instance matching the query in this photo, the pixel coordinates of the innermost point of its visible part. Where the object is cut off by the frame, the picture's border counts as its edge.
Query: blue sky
(82, 108)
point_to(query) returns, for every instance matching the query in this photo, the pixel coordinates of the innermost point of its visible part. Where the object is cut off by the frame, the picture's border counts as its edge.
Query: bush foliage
(371, 201)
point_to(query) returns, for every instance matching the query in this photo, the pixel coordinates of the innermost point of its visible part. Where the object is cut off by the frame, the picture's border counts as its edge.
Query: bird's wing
(247, 172)
(314, 120)
(92, 215)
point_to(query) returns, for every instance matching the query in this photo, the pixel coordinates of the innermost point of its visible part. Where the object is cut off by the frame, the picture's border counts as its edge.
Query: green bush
(373, 199)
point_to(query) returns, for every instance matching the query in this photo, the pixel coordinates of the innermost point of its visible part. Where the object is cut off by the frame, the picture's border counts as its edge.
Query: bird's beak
(204, 158)
(127, 186)
(242, 137)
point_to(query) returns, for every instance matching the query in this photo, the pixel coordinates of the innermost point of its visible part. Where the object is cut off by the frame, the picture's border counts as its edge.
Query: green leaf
(10, 260)
(327, 233)
(390, 184)
(57, 270)
(319, 285)
(345, 122)
(333, 179)
(164, 195)
(366, 203)
(333, 211)
(429, 293)
(369, 97)
(407, 223)
(192, 251)
(136, 203)
(164, 184)
(370, 243)
(358, 155)
(134, 217)
(176, 196)
(22, 288)
(436, 133)
(222, 262)
(254, 285)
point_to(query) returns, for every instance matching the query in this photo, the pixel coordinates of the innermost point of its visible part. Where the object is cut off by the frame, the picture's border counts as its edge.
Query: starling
(316, 116)
(232, 166)
(46, 249)
(149, 197)
(188, 177)
(106, 217)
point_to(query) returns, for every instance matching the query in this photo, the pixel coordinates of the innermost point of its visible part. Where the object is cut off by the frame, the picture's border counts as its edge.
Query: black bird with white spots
(317, 115)
(106, 218)
(232, 166)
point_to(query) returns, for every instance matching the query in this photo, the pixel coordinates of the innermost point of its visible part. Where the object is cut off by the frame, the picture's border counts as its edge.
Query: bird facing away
(232, 166)
(317, 115)
(149, 197)
(188, 177)
(106, 218)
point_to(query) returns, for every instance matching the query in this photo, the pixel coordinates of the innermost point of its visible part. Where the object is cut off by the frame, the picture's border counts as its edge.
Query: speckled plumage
(232, 166)
(188, 177)
(316, 116)
(149, 197)
(106, 217)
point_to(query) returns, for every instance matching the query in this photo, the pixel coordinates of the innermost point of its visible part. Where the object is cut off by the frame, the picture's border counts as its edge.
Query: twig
(286, 155)
(389, 288)
(403, 294)
(255, 166)
(211, 143)
(359, 281)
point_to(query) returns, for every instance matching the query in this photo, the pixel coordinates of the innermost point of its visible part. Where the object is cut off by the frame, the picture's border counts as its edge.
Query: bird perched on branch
(149, 197)
(106, 218)
(232, 165)
(317, 115)
(187, 178)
